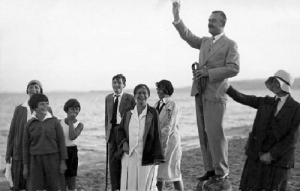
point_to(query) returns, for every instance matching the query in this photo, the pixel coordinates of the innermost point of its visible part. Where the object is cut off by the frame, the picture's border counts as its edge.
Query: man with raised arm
(218, 61)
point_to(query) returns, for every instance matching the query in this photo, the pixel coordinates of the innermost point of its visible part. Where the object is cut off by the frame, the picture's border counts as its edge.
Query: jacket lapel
(111, 103)
(164, 111)
(148, 123)
(286, 108)
(123, 103)
(126, 126)
(215, 47)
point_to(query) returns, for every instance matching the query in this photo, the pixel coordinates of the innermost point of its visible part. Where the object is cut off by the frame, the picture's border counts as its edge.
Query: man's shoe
(219, 177)
(207, 175)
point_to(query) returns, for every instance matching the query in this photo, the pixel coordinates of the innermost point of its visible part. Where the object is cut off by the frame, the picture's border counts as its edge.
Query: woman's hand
(25, 171)
(126, 147)
(266, 158)
(7, 159)
(62, 167)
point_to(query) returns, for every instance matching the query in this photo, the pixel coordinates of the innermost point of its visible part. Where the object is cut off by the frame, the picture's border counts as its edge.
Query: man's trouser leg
(207, 159)
(215, 156)
(114, 163)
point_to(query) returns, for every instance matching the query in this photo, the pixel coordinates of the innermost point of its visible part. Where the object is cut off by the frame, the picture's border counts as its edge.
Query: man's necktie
(211, 43)
(158, 107)
(277, 100)
(115, 109)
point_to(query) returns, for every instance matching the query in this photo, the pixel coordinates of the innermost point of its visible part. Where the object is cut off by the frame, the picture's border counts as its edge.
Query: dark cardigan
(152, 152)
(285, 127)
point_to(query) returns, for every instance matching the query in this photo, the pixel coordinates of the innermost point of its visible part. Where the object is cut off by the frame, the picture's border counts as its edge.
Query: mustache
(211, 26)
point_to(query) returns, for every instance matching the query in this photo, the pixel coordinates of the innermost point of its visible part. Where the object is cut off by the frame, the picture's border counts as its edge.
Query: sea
(91, 143)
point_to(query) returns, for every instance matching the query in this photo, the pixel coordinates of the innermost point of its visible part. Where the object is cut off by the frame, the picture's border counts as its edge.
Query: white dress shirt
(119, 117)
(136, 131)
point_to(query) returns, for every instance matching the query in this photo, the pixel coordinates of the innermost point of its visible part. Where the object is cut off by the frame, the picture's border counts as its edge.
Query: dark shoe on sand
(207, 175)
(219, 177)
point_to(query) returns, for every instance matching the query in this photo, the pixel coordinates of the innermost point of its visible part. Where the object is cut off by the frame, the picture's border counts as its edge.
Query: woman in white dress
(170, 138)
(138, 137)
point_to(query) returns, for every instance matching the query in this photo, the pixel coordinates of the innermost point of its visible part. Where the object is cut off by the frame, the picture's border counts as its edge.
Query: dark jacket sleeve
(248, 100)
(26, 143)
(61, 141)
(158, 155)
(11, 135)
(290, 140)
(121, 135)
(106, 119)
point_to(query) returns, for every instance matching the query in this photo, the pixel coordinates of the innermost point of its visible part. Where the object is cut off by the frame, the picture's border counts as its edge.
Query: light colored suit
(222, 61)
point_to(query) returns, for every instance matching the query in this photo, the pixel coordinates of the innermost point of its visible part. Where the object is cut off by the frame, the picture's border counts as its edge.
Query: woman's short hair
(35, 99)
(34, 82)
(71, 103)
(166, 86)
(141, 86)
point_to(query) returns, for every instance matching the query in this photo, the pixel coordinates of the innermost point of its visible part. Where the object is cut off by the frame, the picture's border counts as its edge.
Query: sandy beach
(91, 176)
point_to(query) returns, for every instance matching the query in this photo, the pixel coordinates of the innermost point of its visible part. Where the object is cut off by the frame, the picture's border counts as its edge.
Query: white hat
(285, 79)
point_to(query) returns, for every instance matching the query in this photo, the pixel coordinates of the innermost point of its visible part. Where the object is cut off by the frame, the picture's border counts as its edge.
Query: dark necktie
(277, 100)
(158, 107)
(115, 109)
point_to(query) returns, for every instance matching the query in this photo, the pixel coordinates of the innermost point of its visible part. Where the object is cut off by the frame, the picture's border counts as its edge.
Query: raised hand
(126, 147)
(176, 8)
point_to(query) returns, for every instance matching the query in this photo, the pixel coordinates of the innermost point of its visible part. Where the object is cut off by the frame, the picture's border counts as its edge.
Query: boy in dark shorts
(72, 129)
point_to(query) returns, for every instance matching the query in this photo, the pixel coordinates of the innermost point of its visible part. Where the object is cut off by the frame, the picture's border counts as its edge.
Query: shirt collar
(47, 116)
(165, 100)
(217, 37)
(120, 95)
(283, 98)
(135, 112)
(25, 104)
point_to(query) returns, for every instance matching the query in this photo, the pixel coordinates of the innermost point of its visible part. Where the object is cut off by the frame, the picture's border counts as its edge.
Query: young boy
(44, 150)
(116, 105)
(270, 148)
(72, 129)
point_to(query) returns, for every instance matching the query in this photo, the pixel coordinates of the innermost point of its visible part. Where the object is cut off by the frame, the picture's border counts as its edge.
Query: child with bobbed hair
(44, 149)
(72, 129)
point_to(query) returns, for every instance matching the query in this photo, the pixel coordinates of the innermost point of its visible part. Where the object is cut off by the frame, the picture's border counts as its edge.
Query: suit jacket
(152, 151)
(285, 128)
(221, 60)
(127, 101)
(14, 147)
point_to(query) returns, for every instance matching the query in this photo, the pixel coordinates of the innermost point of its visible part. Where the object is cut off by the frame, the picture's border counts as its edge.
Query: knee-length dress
(171, 144)
(134, 176)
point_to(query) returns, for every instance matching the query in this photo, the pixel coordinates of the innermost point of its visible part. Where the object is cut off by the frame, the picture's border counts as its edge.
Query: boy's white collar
(48, 115)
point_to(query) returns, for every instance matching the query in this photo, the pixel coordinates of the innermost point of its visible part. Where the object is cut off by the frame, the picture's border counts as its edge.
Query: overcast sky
(79, 45)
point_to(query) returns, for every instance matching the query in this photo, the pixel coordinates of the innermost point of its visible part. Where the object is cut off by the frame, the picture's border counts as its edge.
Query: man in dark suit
(116, 104)
(218, 60)
(271, 144)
